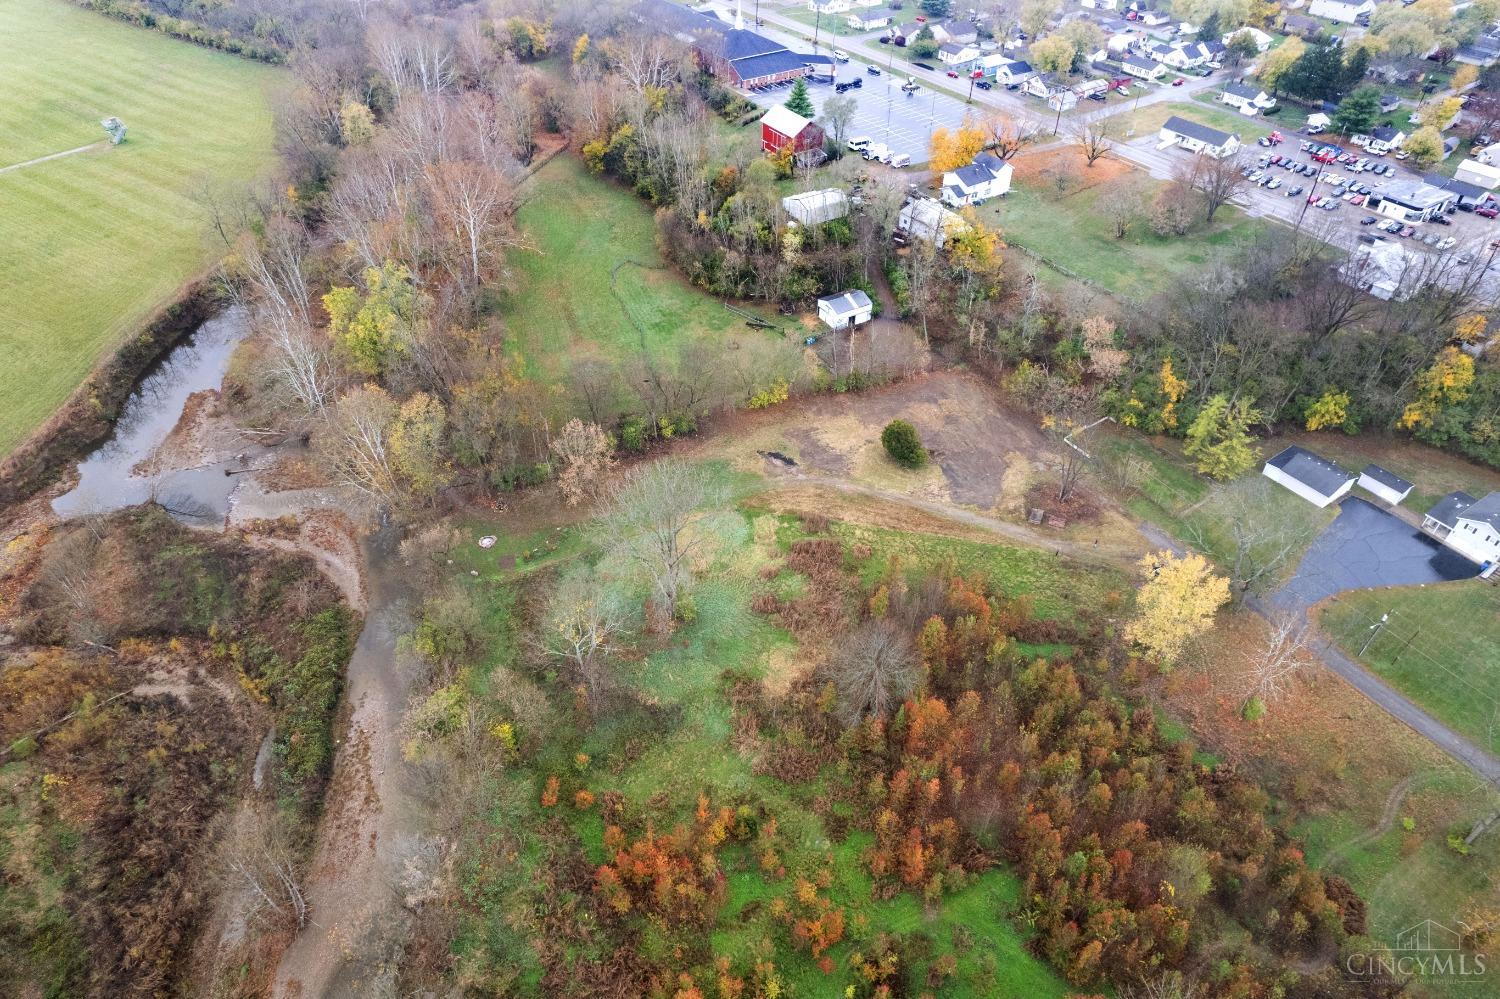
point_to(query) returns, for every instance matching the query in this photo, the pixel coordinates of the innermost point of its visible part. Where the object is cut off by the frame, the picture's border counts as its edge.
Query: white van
(879, 151)
(841, 55)
(859, 142)
(900, 160)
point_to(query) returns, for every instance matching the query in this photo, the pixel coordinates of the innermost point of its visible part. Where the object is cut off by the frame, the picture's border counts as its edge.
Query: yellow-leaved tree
(1444, 384)
(1175, 604)
(951, 150)
(1331, 409)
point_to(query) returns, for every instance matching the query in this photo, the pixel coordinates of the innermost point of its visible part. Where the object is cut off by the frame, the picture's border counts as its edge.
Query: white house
(927, 219)
(1246, 99)
(1345, 11)
(1260, 38)
(1190, 55)
(869, 20)
(1386, 485)
(1385, 139)
(1154, 18)
(1479, 174)
(1413, 200)
(1197, 138)
(1057, 96)
(830, 6)
(849, 308)
(1489, 155)
(1470, 527)
(1007, 70)
(1146, 69)
(1315, 479)
(987, 177)
(1317, 122)
(816, 207)
(957, 32)
(957, 56)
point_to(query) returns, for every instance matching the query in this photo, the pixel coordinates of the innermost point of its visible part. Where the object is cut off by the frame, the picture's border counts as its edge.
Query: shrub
(903, 445)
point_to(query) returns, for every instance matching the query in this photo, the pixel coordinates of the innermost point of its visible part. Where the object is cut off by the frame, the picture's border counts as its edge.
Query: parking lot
(884, 113)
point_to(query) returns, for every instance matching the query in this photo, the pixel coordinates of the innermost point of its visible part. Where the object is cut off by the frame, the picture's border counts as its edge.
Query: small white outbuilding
(1384, 485)
(846, 309)
(1315, 479)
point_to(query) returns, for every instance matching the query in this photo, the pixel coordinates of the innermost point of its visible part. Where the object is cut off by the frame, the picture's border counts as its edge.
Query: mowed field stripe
(95, 242)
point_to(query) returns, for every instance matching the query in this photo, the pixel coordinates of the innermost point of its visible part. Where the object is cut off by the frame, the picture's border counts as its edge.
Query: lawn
(1440, 647)
(96, 241)
(1072, 227)
(1204, 110)
(596, 285)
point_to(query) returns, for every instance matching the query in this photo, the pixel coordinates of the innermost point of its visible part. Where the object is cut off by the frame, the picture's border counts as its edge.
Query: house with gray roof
(1246, 98)
(1314, 478)
(1197, 138)
(846, 309)
(1470, 527)
(987, 177)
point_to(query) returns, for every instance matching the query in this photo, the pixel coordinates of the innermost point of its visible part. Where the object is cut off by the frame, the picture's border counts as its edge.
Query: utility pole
(1375, 629)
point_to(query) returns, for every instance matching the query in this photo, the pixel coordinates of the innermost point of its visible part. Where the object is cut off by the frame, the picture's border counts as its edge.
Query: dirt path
(54, 156)
(354, 884)
(1393, 802)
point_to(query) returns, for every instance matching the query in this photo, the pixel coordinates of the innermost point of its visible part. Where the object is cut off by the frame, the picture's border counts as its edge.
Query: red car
(1179, 81)
(1488, 211)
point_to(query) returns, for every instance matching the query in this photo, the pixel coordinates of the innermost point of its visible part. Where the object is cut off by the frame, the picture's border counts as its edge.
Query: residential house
(1314, 478)
(1246, 98)
(816, 207)
(830, 6)
(927, 219)
(1470, 527)
(1385, 485)
(1483, 51)
(781, 127)
(1260, 38)
(1006, 70)
(905, 34)
(1183, 55)
(1389, 103)
(1384, 268)
(1479, 174)
(1057, 96)
(1412, 200)
(1146, 69)
(869, 20)
(960, 57)
(1385, 139)
(845, 310)
(1489, 155)
(987, 177)
(1153, 18)
(1302, 26)
(1196, 138)
(1343, 11)
(957, 32)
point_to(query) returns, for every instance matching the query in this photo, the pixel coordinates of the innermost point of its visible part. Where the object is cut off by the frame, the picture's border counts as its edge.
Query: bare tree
(1269, 671)
(279, 300)
(648, 521)
(361, 426)
(474, 205)
(1006, 135)
(1216, 179)
(260, 861)
(873, 669)
(838, 112)
(1094, 138)
(583, 620)
(1256, 542)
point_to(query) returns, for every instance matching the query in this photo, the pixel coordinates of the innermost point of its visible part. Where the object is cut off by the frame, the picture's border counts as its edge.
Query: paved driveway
(1368, 547)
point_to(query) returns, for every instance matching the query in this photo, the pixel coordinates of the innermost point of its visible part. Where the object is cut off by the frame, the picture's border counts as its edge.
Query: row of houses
(1464, 524)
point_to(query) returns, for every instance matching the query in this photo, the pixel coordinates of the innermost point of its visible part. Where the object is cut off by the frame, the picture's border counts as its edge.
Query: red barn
(783, 127)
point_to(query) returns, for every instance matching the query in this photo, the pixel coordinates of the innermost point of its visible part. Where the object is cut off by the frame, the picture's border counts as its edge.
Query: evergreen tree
(1358, 112)
(1315, 76)
(1210, 28)
(937, 8)
(1355, 68)
(799, 100)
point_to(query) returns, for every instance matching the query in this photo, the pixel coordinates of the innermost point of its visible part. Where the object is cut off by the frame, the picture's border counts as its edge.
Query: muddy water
(195, 495)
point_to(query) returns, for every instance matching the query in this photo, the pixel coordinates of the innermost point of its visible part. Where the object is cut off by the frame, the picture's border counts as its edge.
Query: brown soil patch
(204, 433)
(1081, 507)
(1040, 169)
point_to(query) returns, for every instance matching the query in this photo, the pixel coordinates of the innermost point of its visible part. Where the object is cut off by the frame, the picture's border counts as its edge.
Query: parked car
(1274, 184)
(1179, 81)
(1407, 232)
(900, 160)
(953, 73)
(853, 84)
(1442, 220)
(1430, 239)
(1402, 154)
(1447, 243)
(884, 39)
(925, 65)
(1488, 211)
(1368, 220)
(1292, 192)
(873, 70)
(1097, 97)
(841, 55)
(859, 142)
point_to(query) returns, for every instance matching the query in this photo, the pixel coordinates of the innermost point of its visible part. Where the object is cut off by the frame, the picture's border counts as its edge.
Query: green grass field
(1074, 230)
(1441, 648)
(96, 241)
(561, 309)
(1205, 109)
